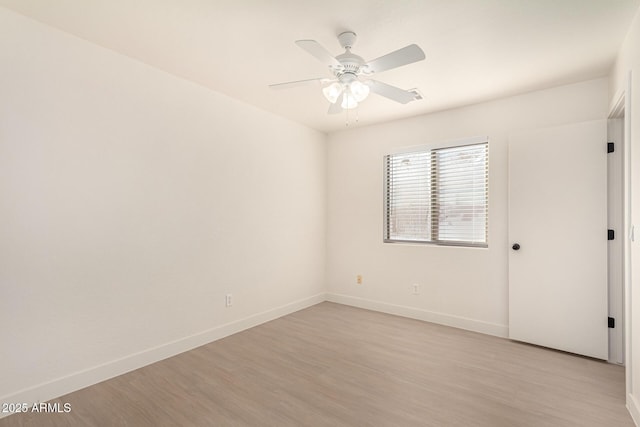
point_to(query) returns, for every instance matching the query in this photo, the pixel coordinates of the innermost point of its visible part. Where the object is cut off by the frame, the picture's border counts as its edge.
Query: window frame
(429, 148)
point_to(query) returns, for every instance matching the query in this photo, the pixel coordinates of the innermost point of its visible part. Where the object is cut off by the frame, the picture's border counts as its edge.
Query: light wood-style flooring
(333, 365)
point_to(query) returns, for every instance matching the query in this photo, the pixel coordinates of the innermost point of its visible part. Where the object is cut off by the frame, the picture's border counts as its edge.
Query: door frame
(615, 220)
(620, 109)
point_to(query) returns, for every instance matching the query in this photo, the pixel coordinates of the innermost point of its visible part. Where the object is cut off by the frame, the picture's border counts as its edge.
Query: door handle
(516, 246)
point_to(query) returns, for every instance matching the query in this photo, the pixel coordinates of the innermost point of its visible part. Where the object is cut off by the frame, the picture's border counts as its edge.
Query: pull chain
(347, 124)
(357, 116)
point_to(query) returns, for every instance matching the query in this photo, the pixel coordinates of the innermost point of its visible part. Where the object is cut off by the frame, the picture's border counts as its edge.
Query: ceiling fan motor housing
(351, 63)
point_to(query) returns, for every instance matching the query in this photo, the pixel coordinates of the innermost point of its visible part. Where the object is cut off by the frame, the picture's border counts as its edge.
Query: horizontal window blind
(438, 195)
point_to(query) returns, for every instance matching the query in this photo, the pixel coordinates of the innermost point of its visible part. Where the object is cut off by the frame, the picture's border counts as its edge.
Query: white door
(558, 238)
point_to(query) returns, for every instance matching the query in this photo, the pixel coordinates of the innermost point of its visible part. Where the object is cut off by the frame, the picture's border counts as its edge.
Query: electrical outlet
(228, 300)
(359, 279)
(416, 288)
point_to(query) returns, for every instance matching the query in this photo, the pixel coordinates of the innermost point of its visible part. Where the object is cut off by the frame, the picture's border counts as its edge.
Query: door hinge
(610, 147)
(611, 234)
(612, 322)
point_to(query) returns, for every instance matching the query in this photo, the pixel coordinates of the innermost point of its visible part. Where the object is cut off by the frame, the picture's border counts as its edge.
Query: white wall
(464, 287)
(628, 63)
(131, 202)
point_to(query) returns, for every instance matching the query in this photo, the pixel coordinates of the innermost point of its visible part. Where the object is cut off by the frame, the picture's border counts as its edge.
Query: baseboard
(419, 314)
(78, 380)
(634, 408)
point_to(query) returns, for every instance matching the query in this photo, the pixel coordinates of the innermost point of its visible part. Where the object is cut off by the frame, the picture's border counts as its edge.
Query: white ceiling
(476, 49)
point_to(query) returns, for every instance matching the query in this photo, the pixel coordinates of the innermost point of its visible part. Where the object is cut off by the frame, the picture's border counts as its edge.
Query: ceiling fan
(351, 83)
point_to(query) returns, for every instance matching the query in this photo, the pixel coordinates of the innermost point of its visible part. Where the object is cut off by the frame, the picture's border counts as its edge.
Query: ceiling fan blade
(398, 58)
(288, 85)
(317, 50)
(394, 93)
(336, 107)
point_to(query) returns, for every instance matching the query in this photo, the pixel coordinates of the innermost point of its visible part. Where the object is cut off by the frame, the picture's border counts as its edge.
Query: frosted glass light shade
(332, 92)
(349, 101)
(359, 90)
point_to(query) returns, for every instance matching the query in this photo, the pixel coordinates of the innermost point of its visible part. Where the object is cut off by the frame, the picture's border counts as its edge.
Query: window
(438, 195)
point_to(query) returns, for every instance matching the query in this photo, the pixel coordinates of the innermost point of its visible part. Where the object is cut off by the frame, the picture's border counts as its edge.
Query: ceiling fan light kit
(346, 89)
(354, 92)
